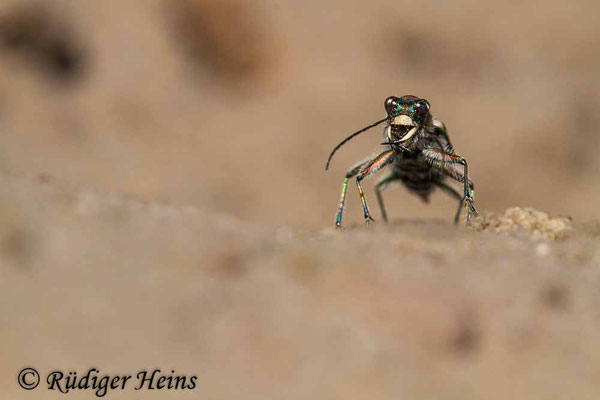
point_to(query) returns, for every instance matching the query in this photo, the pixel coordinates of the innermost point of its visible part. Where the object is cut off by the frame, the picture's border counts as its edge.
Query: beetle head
(406, 115)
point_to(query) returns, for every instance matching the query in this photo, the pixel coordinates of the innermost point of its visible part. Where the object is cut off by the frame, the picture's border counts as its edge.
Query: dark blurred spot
(230, 265)
(468, 336)
(430, 54)
(18, 245)
(227, 36)
(43, 177)
(555, 297)
(31, 31)
(64, 60)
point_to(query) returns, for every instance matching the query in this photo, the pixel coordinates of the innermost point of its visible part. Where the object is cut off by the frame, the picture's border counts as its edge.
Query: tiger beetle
(419, 152)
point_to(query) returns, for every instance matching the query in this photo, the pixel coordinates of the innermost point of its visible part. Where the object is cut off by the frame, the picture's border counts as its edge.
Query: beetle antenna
(343, 142)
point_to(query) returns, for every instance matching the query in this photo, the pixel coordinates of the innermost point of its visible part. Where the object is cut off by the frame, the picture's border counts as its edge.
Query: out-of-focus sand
(417, 309)
(163, 199)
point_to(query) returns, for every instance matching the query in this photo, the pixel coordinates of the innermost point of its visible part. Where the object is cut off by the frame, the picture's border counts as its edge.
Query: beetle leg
(379, 186)
(340, 210)
(453, 193)
(444, 163)
(379, 162)
(362, 169)
(352, 172)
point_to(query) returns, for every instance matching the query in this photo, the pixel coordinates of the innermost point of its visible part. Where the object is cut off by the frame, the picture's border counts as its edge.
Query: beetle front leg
(351, 173)
(379, 162)
(363, 170)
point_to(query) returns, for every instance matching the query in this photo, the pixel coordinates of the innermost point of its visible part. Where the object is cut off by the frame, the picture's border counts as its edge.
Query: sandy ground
(163, 199)
(415, 309)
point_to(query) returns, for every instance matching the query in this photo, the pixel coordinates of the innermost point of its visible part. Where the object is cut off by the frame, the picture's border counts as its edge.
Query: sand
(414, 309)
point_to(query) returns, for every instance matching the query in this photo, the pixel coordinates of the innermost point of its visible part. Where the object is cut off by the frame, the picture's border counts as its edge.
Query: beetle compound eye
(422, 107)
(391, 105)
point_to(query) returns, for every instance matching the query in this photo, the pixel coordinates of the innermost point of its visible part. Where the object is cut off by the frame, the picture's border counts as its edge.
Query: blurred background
(234, 105)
